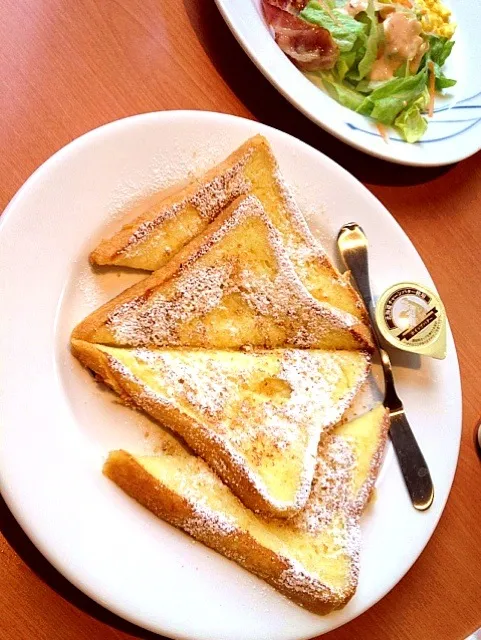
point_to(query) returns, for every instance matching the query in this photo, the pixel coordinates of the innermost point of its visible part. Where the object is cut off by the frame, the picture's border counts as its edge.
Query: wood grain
(67, 67)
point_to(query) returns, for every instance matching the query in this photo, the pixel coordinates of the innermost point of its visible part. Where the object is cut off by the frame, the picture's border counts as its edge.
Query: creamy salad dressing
(353, 7)
(403, 43)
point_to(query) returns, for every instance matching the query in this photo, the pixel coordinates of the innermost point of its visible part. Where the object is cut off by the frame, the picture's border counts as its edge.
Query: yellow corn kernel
(435, 17)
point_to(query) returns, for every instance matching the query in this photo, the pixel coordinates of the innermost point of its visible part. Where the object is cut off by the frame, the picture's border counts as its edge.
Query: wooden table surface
(67, 66)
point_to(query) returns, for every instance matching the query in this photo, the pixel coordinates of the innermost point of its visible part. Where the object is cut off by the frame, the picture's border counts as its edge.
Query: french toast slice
(172, 220)
(231, 287)
(255, 417)
(312, 558)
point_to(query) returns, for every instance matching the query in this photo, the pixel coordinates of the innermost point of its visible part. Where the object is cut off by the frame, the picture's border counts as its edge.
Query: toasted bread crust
(95, 328)
(89, 328)
(111, 251)
(97, 362)
(366, 491)
(237, 545)
(172, 218)
(200, 437)
(171, 232)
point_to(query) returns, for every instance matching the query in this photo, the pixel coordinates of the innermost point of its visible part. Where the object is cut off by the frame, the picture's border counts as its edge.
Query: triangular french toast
(312, 558)
(171, 221)
(231, 287)
(255, 417)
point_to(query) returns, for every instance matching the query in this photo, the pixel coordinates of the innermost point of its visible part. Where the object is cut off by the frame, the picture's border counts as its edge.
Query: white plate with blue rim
(454, 131)
(57, 425)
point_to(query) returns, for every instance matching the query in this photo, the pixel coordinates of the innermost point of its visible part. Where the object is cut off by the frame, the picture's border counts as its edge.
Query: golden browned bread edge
(87, 329)
(92, 328)
(193, 432)
(237, 545)
(365, 492)
(96, 361)
(196, 435)
(199, 438)
(128, 474)
(108, 249)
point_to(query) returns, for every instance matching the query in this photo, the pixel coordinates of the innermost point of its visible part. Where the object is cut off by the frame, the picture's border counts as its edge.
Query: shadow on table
(268, 106)
(22, 545)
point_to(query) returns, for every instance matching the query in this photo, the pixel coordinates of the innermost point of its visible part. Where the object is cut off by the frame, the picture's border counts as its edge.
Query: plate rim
(8, 492)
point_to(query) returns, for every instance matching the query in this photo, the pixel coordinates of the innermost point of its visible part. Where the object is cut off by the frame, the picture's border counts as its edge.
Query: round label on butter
(412, 318)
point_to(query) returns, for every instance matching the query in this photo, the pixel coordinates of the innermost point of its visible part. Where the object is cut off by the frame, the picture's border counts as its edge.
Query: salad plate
(57, 427)
(453, 132)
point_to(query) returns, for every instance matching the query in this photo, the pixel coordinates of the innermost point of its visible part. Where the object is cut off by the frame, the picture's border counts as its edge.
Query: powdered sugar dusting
(236, 409)
(209, 198)
(309, 199)
(279, 300)
(197, 293)
(310, 250)
(146, 228)
(203, 515)
(295, 214)
(186, 157)
(92, 293)
(216, 194)
(330, 508)
(313, 585)
(196, 377)
(332, 484)
(327, 531)
(211, 522)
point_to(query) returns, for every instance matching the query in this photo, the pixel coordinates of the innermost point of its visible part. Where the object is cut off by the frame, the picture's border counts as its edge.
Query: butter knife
(353, 245)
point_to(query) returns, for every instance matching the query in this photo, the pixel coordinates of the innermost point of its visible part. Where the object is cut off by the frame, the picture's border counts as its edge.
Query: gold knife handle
(353, 247)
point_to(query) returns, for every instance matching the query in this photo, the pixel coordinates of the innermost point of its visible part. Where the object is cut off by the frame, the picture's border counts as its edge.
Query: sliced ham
(309, 46)
(292, 6)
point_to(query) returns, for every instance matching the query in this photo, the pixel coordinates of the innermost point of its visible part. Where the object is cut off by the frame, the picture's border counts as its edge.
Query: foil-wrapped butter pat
(411, 317)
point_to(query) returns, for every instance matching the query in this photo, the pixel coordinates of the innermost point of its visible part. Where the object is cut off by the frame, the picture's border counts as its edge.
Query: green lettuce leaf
(442, 82)
(345, 30)
(402, 71)
(370, 54)
(410, 123)
(386, 103)
(346, 96)
(359, 51)
(368, 86)
(344, 64)
(439, 49)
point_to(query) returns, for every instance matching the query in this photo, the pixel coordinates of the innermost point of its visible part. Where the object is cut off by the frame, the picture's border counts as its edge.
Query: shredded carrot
(432, 80)
(405, 3)
(383, 131)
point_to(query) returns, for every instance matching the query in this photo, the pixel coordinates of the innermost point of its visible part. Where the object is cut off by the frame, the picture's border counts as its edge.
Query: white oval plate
(453, 133)
(57, 424)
